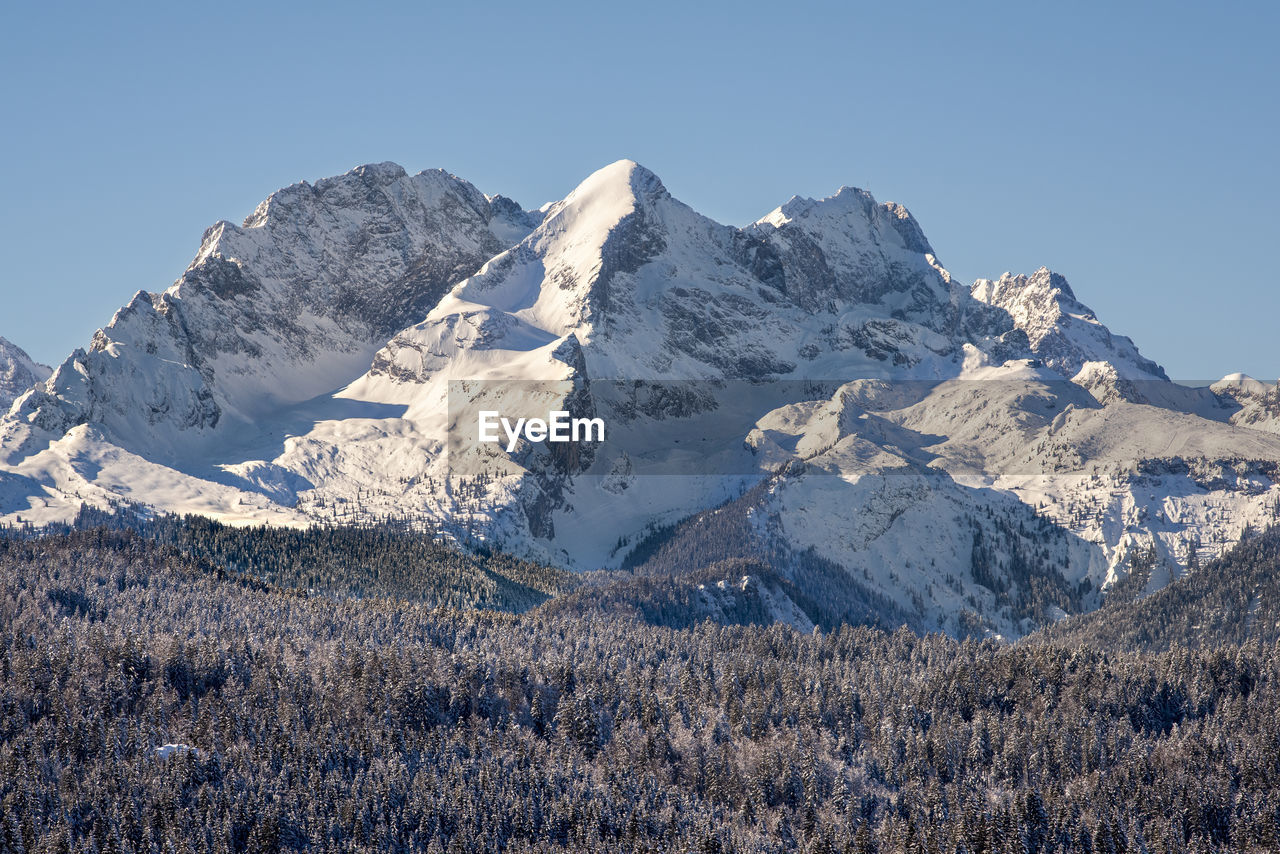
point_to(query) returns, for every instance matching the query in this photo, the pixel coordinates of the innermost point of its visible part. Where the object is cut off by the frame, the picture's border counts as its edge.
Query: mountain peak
(1061, 330)
(620, 180)
(613, 222)
(380, 174)
(1045, 287)
(1046, 279)
(854, 205)
(289, 305)
(1241, 383)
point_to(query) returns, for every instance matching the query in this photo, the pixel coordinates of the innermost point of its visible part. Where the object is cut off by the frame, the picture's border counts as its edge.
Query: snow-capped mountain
(17, 372)
(984, 456)
(275, 311)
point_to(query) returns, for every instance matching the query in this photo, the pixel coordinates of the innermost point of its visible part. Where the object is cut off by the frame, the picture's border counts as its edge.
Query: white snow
(18, 372)
(166, 750)
(276, 405)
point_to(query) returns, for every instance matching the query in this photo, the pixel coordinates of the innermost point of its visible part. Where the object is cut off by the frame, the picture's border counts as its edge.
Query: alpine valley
(891, 443)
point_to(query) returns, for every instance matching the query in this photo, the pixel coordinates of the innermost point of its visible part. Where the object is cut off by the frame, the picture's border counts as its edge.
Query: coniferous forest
(185, 687)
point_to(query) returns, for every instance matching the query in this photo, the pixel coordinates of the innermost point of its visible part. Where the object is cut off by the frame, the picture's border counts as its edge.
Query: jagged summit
(1042, 282)
(290, 305)
(379, 174)
(848, 247)
(851, 202)
(1061, 331)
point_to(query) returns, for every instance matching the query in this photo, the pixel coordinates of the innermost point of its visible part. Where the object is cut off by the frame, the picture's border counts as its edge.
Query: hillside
(1232, 600)
(147, 701)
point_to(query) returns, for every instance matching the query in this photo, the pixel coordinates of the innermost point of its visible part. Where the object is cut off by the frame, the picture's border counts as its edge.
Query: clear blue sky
(1133, 151)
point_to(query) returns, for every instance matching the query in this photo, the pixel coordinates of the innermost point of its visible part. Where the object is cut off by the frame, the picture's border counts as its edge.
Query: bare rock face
(1060, 331)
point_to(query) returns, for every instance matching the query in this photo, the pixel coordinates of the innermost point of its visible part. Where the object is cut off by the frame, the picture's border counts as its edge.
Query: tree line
(151, 701)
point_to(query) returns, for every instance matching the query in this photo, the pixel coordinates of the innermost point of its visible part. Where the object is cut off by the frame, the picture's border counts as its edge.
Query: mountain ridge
(316, 363)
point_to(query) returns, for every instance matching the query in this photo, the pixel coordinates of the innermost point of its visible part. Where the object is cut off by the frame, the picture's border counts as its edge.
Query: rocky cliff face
(1060, 331)
(976, 456)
